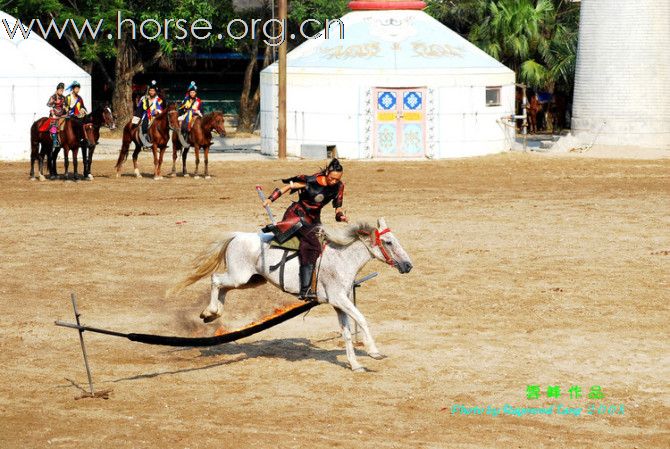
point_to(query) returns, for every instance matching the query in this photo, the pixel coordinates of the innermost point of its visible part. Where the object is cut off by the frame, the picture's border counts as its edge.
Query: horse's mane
(345, 236)
(209, 117)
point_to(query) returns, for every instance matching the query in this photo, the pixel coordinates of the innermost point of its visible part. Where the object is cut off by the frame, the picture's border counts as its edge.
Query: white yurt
(30, 71)
(395, 84)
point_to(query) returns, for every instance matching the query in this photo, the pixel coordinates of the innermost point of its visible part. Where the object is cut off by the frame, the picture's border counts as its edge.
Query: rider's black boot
(306, 272)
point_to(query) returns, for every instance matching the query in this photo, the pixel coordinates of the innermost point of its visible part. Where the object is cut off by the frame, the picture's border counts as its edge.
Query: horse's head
(386, 247)
(218, 125)
(172, 116)
(108, 117)
(89, 134)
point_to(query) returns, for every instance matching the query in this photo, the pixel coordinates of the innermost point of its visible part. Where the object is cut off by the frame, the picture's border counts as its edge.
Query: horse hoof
(377, 355)
(358, 369)
(90, 177)
(186, 175)
(196, 176)
(32, 178)
(208, 177)
(208, 316)
(42, 178)
(137, 173)
(156, 178)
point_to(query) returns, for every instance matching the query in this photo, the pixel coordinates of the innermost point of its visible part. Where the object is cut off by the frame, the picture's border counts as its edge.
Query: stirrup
(308, 296)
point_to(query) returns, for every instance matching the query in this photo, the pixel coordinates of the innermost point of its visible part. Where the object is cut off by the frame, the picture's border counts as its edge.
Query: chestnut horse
(40, 147)
(158, 132)
(75, 133)
(199, 137)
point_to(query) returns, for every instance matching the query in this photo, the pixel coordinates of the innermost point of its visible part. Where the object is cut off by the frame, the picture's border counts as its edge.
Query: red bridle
(375, 240)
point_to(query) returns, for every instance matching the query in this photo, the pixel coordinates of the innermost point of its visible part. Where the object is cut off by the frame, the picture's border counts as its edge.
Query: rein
(375, 240)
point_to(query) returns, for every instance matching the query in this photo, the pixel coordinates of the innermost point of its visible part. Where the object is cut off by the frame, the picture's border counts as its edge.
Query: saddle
(284, 238)
(285, 229)
(44, 127)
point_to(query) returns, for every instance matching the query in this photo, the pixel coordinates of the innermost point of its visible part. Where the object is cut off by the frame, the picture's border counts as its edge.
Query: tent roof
(33, 57)
(391, 40)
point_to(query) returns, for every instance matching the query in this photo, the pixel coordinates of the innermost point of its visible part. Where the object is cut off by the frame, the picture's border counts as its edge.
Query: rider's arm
(337, 204)
(276, 193)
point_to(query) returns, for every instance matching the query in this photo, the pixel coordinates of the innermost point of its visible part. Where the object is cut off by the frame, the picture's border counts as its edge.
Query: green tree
(535, 38)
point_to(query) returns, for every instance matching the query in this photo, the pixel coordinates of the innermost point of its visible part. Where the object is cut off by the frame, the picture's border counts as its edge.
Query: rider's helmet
(153, 85)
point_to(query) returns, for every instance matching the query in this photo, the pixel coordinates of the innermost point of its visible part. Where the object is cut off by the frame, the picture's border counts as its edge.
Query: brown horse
(158, 132)
(199, 137)
(75, 133)
(534, 108)
(40, 147)
(97, 118)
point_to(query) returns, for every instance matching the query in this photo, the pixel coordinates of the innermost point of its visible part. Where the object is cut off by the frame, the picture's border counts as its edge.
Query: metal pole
(261, 195)
(355, 323)
(81, 340)
(524, 112)
(281, 129)
(274, 33)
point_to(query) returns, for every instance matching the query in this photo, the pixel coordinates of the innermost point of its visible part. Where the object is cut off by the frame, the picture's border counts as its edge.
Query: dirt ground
(529, 270)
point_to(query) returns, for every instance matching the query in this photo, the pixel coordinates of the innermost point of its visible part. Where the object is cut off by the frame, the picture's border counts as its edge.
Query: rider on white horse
(304, 216)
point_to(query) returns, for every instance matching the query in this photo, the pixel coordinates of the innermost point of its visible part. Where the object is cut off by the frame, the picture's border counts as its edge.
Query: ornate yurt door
(400, 120)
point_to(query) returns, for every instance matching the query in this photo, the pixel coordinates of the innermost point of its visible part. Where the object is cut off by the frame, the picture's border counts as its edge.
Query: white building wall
(622, 79)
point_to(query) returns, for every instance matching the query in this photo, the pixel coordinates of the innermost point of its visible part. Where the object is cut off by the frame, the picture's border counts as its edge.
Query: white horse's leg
(215, 307)
(348, 307)
(348, 344)
(229, 280)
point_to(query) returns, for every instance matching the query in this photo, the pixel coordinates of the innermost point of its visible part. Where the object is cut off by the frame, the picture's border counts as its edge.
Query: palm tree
(536, 38)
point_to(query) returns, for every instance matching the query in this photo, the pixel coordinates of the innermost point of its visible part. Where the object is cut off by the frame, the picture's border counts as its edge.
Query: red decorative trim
(363, 5)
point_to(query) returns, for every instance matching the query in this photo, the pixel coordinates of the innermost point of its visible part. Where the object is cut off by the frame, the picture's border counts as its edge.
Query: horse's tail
(125, 145)
(205, 264)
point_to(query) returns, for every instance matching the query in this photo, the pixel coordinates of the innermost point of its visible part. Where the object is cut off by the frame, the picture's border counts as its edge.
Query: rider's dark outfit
(307, 210)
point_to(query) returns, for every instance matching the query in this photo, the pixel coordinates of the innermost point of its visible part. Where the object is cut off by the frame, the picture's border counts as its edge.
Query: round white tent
(31, 68)
(397, 84)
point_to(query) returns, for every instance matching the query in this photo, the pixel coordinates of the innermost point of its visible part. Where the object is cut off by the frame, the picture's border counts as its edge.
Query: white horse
(347, 251)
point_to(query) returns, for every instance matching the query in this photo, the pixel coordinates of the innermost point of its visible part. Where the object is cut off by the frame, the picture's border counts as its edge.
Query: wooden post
(81, 340)
(281, 129)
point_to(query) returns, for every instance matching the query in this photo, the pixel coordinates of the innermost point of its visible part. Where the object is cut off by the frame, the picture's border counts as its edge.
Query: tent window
(493, 96)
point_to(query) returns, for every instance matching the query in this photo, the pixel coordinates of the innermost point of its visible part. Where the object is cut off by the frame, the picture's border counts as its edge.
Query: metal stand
(83, 345)
(91, 394)
(358, 283)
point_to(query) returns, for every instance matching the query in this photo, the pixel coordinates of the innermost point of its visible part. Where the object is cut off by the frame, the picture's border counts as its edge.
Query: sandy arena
(529, 270)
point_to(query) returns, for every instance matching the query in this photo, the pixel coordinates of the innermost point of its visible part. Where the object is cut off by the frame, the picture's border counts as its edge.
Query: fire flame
(275, 313)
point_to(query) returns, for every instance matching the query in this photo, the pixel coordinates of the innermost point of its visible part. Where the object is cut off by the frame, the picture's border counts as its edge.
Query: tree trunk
(122, 97)
(249, 103)
(124, 71)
